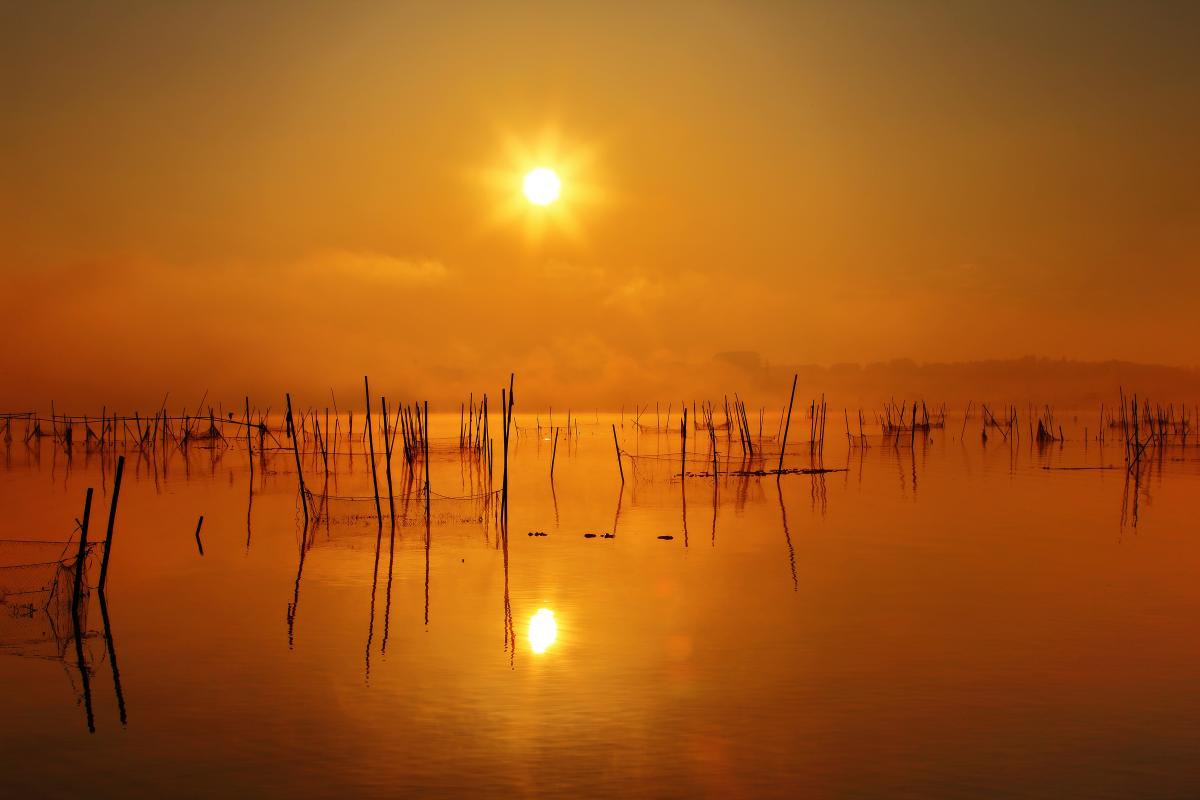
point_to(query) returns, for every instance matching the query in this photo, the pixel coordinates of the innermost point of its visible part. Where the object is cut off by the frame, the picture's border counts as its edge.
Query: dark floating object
(537, 533)
(764, 472)
(1110, 466)
(608, 536)
(666, 536)
(589, 536)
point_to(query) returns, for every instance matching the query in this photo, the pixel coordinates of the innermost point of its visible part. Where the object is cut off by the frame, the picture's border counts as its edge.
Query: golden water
(946, 620)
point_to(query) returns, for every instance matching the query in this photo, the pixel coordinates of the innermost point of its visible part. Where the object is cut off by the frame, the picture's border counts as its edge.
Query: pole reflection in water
(295, 604)
(387, 603)
(110, 644)
(787, 536)
(374, 586)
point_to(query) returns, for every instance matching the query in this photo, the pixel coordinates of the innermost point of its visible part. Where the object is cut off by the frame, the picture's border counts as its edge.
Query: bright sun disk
(542, 186)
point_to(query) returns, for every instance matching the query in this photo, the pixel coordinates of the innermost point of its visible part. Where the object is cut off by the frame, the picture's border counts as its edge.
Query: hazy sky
(253, 196)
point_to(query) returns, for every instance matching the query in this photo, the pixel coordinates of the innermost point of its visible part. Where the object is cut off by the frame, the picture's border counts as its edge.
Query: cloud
(636, 295)
(374, 268)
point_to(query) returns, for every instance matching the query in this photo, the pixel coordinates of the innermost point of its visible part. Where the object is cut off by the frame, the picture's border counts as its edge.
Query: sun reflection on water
(543, 630)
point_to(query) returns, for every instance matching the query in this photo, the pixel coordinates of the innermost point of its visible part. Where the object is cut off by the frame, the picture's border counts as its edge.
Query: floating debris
(537, 533)
(666, 536)
(608, 536)
(764, 472)
(589, 536)
(1110, 466)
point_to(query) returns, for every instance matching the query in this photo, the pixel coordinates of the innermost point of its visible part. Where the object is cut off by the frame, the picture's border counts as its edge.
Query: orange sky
(204, 196)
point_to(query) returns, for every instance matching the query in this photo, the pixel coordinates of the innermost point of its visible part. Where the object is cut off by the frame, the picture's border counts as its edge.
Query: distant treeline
(1064, 381)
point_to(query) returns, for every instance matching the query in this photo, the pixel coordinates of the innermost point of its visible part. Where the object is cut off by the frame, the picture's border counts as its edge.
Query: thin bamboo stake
(425, 440)
(387, 459)
(81, 558)
(371, 440)
(553, 453)
(299, 472)
(618, 449)
(788, 423)
(112, 516)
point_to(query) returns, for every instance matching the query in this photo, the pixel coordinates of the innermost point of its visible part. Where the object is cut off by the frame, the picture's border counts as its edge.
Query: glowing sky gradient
(284, 189)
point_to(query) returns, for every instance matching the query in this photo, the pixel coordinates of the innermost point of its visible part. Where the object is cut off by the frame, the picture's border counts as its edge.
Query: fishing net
(37, 580)
(409, 509)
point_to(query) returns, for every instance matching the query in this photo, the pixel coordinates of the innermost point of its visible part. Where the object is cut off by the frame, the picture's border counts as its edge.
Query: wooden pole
(618, 448)
(371, 440)
(299, 471)
(787, 423)
(683, 446)
(425, 449)
(506, 406)
(387, 458)
(249, 443)
(81, 558)
(112, 516)
(80, 563)
(553, 453)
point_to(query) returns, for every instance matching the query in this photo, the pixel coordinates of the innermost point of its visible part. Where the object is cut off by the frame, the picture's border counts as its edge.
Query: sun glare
(543, 630)
(542, 186)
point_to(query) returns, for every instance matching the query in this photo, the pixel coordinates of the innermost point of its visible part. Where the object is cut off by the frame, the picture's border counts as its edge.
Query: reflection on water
(543, 630)
(1027, 619)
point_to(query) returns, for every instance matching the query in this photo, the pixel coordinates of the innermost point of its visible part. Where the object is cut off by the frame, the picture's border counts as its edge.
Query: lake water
(941, 619)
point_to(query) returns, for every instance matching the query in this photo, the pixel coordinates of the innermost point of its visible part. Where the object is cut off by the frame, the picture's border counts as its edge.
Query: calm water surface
(945, 620)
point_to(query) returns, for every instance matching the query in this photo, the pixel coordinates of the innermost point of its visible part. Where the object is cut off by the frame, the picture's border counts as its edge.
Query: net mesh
(409, 509)
(37, 581)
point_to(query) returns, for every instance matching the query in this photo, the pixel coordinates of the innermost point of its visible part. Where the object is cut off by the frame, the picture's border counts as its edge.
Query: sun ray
(563, 178)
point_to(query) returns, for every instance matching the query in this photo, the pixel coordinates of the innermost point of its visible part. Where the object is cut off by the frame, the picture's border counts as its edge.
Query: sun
(542, 186)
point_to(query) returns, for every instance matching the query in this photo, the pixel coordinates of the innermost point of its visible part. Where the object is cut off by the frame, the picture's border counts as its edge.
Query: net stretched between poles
(37, 580)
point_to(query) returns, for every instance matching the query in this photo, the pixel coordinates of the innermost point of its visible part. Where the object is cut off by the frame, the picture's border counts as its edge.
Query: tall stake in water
(371, 441)
(112, 516)
(787, 423)
(81, 558)
(425, 448)
(296, 452)
(618, 449)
